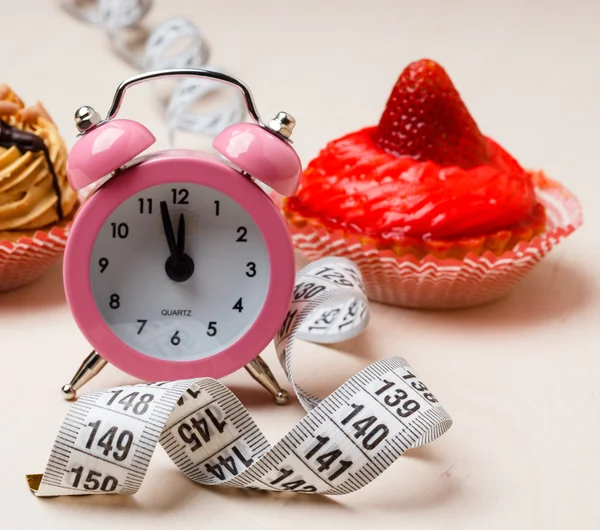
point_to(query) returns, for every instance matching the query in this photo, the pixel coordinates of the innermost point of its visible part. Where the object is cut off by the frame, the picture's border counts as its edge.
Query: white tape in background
(345, 441)
(180, 34)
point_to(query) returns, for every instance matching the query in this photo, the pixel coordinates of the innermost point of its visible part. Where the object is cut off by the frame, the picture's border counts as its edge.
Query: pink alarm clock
(178, 265)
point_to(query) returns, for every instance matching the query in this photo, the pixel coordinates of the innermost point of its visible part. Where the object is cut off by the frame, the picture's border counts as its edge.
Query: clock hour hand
(179, 266)
(168, 228)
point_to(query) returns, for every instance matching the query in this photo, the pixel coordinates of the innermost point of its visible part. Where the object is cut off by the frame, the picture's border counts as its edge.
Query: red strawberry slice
(426, 119)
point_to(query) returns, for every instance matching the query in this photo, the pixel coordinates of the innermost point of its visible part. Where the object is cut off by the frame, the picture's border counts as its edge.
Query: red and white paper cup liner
(28, 258)
(434, 283)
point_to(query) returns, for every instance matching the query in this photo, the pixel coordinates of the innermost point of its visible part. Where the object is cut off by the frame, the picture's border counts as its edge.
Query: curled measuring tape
(345, 441)
(177, 33)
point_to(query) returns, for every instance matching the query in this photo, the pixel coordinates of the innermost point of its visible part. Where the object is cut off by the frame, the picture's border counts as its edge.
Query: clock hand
(179, 266)
(168, 228)
(181, 237)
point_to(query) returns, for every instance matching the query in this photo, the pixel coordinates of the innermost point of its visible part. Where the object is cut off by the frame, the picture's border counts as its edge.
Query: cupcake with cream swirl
(36, 201)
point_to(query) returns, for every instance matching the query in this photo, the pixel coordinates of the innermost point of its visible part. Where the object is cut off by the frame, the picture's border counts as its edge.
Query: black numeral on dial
(115, 301)
(143, 323)
(145, 205)
(242, 232)
(217, 208)
(238, 305)
(176, 339)
(180, 196)
(120, 230)
(103, 263)
(251, 272)
(212, 329)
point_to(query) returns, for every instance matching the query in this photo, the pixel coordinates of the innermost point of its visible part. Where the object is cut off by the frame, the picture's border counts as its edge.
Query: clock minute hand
(168, 228)
(181, 237)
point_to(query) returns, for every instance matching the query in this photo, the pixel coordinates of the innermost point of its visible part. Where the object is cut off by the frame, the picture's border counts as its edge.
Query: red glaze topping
(425, 171)
(355, 185)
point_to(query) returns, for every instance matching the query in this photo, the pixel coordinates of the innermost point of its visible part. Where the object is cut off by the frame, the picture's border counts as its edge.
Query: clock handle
(89, 368)
(183, 72)
(260, 371)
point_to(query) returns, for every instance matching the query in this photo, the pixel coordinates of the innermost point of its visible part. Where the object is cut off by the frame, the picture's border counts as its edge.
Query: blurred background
(526, 70)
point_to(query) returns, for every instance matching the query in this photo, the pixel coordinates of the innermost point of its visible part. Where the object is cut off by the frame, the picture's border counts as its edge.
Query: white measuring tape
(345, 441)
(191, 51)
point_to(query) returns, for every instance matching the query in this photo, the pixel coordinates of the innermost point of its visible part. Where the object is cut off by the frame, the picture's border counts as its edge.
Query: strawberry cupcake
(435, 214)
(36, 201)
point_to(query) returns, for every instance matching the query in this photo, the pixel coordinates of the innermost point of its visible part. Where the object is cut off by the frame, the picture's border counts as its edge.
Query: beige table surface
(519, 376)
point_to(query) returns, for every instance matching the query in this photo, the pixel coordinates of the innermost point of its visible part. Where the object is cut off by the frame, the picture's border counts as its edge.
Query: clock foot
(259, 370)
(68, 392)
(89, 368)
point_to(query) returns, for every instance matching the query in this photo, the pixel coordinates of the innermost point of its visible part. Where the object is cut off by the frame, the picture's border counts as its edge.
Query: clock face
(174, 305)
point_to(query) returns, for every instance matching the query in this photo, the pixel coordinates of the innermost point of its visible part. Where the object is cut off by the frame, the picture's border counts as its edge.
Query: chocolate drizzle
(26, 141)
